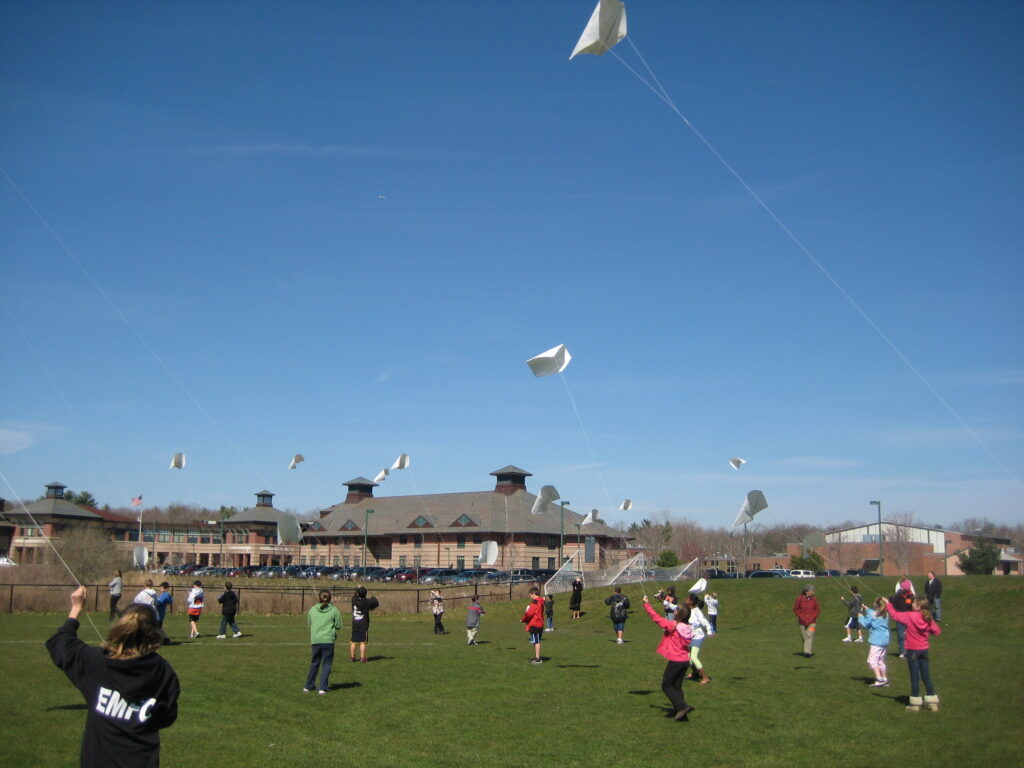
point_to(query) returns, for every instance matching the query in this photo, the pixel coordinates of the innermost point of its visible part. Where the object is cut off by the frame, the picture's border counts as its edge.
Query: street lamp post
(220, 557)
(561, 537)
(366, 532)
(879, 505)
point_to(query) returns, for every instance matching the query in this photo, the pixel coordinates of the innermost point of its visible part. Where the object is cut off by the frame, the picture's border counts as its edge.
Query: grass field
(429, 700)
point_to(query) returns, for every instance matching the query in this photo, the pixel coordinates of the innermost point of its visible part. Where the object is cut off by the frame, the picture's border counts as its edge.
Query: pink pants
(876, 660)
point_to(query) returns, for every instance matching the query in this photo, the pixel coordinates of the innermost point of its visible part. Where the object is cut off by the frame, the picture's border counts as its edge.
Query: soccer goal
(571, 569)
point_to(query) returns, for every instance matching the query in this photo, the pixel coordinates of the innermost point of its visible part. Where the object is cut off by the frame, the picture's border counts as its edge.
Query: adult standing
(807, 609)
(228, 609)
(902, 602)
(576, 601)
(116, 587)
(324, 622)
(361, 607)
(437, 608)
(619, 612)
(933, 591)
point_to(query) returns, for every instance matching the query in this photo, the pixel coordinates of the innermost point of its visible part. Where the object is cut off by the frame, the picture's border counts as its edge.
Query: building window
(147, 536)
(204, 539)
(535, 542)
(179, 537)
(403, 539)
(312, 544)
(476, 562)
(164, 536)
(193, 537)
(552, 543)
(335, 561)
(302, 559)
(346, 543)
(349, 526)
(133, 535)
(401, 561)
(460, 563)
(478, 538)
(551, 563)
(344, 561)
(417, 561)
(323, 559)
(535, 563)
(460, 541)
(463, 521)
(421, 522)
(417, 541)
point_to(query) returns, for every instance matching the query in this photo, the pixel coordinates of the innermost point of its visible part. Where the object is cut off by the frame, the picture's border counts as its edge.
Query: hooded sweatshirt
(473, 613)
(676, 637)
(128, 700)
(324, 622)
(917, 629)
(534, 616)
(877, 626)
(361, 607)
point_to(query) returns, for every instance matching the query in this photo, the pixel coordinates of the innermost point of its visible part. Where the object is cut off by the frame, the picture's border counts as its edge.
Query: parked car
(439, 576)
(471, 576)
(831, 572)
(860, 572)
(718, 573)
(766, 574)
(800, 573)
(498, 577)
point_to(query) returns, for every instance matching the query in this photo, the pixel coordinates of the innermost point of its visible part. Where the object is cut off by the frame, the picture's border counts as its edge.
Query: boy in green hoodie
(324, 622)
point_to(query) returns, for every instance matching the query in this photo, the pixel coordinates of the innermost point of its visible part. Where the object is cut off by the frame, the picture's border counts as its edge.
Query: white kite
(591, 518)
(402, 462)
(754, 503)
(626, 505)
(488, 552)
(699, 586)
(381, 476)
(555, 360)
(548, 494)
(178, 462)
(297, 459)
(607, 26)
(736, 463)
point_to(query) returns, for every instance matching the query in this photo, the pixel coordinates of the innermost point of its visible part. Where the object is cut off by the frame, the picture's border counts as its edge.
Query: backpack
(619, 609)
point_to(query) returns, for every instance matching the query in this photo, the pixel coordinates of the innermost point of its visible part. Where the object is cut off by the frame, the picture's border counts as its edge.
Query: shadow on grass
(579, 666)
(343, 686)
(641, 693)
(75, 706)
(866, 679)
(379, 658)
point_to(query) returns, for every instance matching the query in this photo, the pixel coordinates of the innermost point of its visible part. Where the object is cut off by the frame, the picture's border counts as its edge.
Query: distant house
(905, 549)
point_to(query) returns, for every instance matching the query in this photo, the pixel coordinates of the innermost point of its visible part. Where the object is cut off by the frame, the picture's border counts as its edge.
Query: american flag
(137, 501)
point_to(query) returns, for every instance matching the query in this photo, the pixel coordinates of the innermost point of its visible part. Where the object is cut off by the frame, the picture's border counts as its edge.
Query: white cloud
(14, 440)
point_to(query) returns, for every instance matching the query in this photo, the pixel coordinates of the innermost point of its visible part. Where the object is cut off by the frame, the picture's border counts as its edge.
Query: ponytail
(134, 634)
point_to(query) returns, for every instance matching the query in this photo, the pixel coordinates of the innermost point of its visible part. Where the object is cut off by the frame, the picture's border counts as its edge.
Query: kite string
(138, 335)
(586, 437)
(663, 95)
(42, 532)
(63, 399)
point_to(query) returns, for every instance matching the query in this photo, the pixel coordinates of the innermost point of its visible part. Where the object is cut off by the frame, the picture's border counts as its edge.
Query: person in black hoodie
(361, 607)
(228, 608)
(130, 691)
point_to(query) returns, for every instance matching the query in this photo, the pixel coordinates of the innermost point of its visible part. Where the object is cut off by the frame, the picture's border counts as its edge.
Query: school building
(434, 530)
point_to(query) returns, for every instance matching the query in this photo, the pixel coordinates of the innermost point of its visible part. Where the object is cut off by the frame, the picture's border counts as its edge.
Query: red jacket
(534, 616)
(806, 610)
(917, 629)
(675, 642)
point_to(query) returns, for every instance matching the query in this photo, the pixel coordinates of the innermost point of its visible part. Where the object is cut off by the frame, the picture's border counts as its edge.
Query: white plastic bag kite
(488, 553)
(178, 462)
(547, 494)
(402, 462)
(700, 585)
(812, 541)
(754, 503)
(297, 459)
(381, 476)
(626, 505)
(737, 462)
(555, 360)
(607, 26)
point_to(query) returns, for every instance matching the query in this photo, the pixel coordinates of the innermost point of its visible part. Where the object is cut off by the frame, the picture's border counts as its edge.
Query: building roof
(287, 523)
(963, 534)
(474, 512)
(51, 507)
(511, 470)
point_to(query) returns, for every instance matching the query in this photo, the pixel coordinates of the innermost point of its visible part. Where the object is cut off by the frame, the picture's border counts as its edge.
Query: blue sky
(341, 228)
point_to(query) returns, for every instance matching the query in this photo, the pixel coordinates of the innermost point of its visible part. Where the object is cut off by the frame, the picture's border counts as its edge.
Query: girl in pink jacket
(675, 647)
(919, 624)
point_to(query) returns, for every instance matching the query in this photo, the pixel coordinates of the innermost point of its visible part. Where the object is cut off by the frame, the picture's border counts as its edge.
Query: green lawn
(431, 700)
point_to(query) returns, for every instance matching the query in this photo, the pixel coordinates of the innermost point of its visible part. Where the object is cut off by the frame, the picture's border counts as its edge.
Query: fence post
(10, 600)
(96, 602)
(239, 599)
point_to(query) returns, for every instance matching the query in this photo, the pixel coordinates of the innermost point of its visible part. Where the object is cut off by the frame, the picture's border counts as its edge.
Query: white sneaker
(859, 640)
(237, 634)
(846, 639)
(620, 641)
(221, 637)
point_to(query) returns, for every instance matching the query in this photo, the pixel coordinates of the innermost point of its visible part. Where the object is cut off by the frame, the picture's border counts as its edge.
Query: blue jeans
(550, 622)
(918, 663)
(937, 608)
(901, 638)
(228, 619)
(322, 658)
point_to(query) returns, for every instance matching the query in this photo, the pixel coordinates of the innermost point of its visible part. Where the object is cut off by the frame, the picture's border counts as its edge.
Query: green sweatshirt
(324, 623)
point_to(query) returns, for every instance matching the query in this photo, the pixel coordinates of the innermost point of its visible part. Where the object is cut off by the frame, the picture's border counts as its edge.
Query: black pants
(113, 607)
(672, 683)
(438, 626)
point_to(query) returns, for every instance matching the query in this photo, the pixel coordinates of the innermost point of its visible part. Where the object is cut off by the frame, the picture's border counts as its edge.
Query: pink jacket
(675, 642)
(917, 629)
